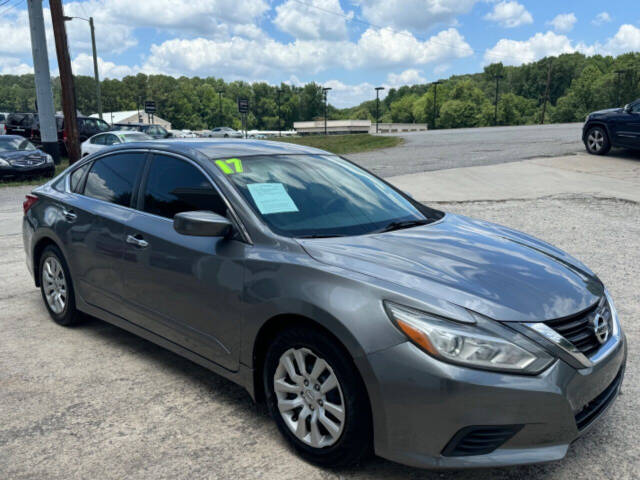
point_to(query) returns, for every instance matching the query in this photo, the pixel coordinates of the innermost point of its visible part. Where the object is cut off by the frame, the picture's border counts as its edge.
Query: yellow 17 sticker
(230, 166)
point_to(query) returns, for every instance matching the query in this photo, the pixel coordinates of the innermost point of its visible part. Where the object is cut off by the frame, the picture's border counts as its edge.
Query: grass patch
(341, 144)
(20, 182)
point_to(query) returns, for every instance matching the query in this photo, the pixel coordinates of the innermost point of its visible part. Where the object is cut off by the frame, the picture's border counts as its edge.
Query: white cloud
(266, 57)
(514, 52)
(509, 14)
(563, 22)
(308, 23)
(418, 15)
(410, 76)
(344, 95)
(13, 66)
(601, 18)
(83, 65)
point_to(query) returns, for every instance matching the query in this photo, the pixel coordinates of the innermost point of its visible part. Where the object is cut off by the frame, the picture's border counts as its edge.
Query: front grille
(28, 162)
(578, 329)
(479, 440)
(595, 407)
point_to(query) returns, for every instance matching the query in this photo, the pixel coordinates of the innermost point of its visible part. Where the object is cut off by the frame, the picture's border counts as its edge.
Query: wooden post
(66, 80)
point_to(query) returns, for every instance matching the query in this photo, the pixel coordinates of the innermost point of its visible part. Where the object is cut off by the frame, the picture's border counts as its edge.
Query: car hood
(487, 268)
(606, 111)
(10, 155)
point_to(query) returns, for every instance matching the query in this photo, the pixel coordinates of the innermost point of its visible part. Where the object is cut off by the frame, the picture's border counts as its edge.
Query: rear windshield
(20, 119)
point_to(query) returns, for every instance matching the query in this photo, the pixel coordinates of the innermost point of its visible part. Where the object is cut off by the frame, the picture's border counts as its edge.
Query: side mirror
(201, 224)
(627, 108)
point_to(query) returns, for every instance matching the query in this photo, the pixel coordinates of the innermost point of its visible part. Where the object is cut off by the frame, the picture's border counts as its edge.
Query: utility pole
(435, 101)
(66, 80)
(95, 60)
(495, 117)
(324, 91)
(546, 92)
(220, 92)
(44, 95)
(278, 92)
(378, 106)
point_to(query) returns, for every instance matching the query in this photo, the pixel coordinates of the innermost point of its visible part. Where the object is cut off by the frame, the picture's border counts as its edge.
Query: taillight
(29, 201)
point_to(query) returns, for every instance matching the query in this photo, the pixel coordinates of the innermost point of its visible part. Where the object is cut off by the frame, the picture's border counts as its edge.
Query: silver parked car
(366, 321)
(225, 132)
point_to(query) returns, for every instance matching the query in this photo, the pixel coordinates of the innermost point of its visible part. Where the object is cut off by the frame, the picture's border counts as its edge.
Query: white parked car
(116, 137)
(188, 133)
(226, 132)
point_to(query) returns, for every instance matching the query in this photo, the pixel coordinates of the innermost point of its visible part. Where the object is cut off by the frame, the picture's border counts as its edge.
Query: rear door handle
(137, 240)
(70, 215)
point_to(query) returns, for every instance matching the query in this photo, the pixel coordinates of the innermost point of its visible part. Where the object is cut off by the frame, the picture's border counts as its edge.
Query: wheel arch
(38, 248)
(601, 124)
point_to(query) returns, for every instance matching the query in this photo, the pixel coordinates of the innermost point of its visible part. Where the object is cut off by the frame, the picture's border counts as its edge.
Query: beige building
(341, 127)
(132, 116)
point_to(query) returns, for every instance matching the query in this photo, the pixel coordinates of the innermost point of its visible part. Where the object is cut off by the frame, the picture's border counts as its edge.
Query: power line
(11, 7)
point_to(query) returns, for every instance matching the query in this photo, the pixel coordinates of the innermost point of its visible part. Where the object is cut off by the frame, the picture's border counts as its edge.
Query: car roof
(227, 147)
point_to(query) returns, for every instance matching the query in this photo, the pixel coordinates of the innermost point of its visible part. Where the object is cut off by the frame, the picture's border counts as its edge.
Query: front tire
(597, 141)
(317, 398)
(56, 287)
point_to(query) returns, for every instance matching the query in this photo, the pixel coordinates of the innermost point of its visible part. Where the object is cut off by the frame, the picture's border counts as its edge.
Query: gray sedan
(366, 321)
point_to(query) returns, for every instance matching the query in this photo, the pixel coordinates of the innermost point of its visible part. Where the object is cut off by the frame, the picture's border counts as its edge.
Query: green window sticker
(230, 166)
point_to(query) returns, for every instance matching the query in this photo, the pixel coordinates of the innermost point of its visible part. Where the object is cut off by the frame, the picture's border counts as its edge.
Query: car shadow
(625, 153)
(229, 393)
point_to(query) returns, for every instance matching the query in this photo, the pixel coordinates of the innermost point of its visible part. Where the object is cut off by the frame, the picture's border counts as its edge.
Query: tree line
(572, 85)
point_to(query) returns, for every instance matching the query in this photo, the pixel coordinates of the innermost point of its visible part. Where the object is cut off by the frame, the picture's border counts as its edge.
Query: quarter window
(113, 178)
(175, 186)
(75, 179)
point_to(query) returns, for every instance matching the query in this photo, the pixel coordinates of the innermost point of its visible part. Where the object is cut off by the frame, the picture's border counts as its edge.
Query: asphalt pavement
(466, 147)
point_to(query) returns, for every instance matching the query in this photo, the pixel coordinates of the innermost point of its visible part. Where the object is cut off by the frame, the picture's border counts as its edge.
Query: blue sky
(349, 45)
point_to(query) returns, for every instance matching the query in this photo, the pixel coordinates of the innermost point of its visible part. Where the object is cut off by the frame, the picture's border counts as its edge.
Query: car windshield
(318, 196)
(15, 144)
(135, 137)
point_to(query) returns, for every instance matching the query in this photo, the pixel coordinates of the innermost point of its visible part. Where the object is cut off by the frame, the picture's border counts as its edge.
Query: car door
(185, 288)
(97, 216)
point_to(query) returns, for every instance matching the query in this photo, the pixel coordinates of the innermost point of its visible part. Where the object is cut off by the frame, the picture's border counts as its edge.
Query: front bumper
(46, 169)
(419, 404)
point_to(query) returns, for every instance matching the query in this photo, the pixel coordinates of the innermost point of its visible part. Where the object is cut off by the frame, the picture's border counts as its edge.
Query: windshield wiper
(320, 235)
(402, 224)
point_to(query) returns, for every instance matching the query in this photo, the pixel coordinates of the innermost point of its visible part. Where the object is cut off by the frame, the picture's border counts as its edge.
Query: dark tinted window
(75, 179)
(113, 178)
(98, 140)
(175, 186)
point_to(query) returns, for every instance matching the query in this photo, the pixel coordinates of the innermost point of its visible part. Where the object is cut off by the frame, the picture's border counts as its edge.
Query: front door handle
(137, 240)
(70, 215)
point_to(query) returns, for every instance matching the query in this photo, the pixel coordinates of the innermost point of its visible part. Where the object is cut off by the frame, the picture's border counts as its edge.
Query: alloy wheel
(595, 140)
(55, 285)
(310, 398)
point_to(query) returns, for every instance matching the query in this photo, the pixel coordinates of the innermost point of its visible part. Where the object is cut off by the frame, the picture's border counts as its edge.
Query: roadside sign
(150, 106)
(243, 105)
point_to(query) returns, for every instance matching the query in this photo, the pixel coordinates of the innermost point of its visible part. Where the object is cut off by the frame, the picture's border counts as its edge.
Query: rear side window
(75, 179)
(175, 186)
(114, 177)
(98, 140)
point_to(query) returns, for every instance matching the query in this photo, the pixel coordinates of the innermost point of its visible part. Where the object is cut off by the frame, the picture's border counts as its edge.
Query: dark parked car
(20, 158)
(28, 126)
(154, 131)
(364, 319)
(614, 127)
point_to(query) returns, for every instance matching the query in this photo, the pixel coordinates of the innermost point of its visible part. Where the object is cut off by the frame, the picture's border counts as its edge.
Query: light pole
(435, 101)
(278, 92)
(220, 92)
(378, 106)
(324, 92)
(95, 59)
(495, 116)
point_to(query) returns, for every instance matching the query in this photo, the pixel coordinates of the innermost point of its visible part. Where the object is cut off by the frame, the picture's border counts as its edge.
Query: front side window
(111, 139)
(319, 195)
(113, 178)
(175, 186)
(635, 108)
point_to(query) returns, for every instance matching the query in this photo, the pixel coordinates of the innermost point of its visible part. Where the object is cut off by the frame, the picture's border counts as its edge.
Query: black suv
(27, 125)
(614, 127)
(153, 130)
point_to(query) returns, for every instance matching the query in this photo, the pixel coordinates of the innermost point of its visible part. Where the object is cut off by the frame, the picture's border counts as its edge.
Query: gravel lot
(465, 147)
(97, 402)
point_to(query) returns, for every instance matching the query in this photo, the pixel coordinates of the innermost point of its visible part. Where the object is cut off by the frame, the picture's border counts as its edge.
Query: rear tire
(597, 141)
(327, 424)
(56, 287)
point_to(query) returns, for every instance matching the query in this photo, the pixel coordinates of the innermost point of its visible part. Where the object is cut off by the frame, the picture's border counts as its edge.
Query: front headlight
(48, 158)
(485, 345)
(615, 321)
(4, 163)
